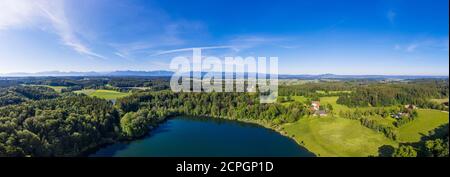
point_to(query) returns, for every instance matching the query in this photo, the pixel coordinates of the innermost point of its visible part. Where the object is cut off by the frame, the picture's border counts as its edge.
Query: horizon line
(20, 74)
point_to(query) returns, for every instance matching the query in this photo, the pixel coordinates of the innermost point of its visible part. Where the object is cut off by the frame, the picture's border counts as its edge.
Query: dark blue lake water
(207, 137)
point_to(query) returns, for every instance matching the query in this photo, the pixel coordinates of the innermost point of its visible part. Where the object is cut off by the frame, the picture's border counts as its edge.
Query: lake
(207, 137)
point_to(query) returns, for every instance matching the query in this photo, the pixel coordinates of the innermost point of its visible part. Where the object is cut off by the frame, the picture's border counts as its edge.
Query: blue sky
(406, 37)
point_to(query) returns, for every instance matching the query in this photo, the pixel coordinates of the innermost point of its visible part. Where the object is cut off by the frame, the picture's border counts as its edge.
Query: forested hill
(66, 126)
(37, 121)
(19, 94)
(418, 93)
(70, 125)
(364, 93)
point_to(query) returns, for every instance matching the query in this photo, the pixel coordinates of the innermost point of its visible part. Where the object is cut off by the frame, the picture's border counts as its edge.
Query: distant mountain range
(162, 73)
(378, 77)
(113, 73)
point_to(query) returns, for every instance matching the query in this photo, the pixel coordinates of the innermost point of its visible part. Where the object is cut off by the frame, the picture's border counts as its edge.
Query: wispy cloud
(407, 47)
(191, 49)
(411, 47)
(127, 50)
(390, 15)
(289, 46)
(55, 13)
(256, 39)
(424, 44)
(17, 13)
(172, 34)
(252, 41)
(121, 55)
(236, 44)
(159, 65)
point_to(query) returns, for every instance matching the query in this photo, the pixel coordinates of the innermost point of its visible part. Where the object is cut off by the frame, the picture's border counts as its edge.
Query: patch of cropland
(426, 121)
(377, 117)
(58, 89)
(442, 100)
(104, 94)
(379, 94)
(337, 137)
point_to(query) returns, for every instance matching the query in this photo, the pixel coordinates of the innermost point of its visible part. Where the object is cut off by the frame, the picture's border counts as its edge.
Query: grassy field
(411, 132)
(56, 88)
(337, 137)
(323, 101)
(301, 99)
(332, 101)
(85, 91)
(326, 136)
(389, 121)
(425, 122)
(105, 94)
(440, 100)
(333, 92)
(339, 107)
(296, 81)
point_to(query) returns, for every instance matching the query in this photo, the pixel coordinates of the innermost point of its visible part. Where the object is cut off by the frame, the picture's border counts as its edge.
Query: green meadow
(443, 100)
(422, 125)
(332, 100)
(55, 88)
(333, 92)
(337, 137)
(301, 99)
(104, 94)
(340, 137)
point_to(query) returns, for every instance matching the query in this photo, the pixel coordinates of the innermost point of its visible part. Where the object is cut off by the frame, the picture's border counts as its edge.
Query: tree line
(18, 94)
(436, 144)
(65, 126)
(371, 118)
(71, 124)
(220, 105)
(415, 92)
(311, 89)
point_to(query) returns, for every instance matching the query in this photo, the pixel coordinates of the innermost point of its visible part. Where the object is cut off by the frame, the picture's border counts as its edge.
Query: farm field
(296, 81)
(327, 136)
(56, 88)
(301, 99)
(332, 100)
(337, 137)
(443, 100)
(339, 107)
(422, 125)
(105, 94)
(333, 92)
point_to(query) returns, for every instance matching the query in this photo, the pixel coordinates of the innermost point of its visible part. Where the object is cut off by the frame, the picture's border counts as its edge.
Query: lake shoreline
(251, 122)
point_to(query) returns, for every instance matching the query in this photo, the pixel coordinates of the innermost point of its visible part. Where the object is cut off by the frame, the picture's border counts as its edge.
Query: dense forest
(220, 105)
(418, 93)
(70, 125)
(66, 126)
(19, 94)
(327, 88)
(74, 83)
(160, 83)
(37, 121)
